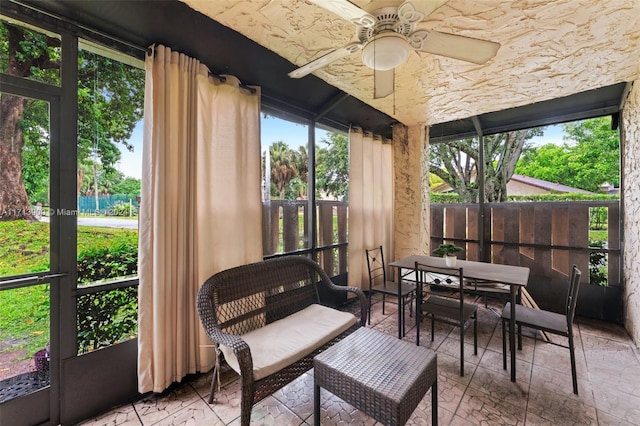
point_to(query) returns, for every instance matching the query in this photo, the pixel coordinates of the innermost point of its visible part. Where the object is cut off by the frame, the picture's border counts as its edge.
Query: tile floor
(608, 367)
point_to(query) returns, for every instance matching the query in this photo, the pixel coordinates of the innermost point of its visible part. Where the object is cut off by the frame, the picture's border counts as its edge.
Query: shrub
(107, 317)
(122, 209)
(117, 260)
(444, 198)
(597, 264)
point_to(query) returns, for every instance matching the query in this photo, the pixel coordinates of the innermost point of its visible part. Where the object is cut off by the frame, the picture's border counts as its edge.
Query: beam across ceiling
(580, 106)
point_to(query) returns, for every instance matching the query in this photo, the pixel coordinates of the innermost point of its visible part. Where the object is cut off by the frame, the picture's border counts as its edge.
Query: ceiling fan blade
(325, 60)
(383, 82)
(454, 46)
(347, 10)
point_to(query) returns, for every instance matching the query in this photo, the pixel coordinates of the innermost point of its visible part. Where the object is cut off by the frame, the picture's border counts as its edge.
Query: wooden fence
(548, 238)
(286, 229)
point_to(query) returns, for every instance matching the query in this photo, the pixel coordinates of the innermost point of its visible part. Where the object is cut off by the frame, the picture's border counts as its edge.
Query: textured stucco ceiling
(549, 49)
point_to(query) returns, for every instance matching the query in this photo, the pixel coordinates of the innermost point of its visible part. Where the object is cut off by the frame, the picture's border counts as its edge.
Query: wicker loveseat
(267, 321)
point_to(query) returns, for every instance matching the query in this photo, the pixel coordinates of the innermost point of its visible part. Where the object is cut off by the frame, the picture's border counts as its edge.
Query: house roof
(550, 186)
(558, 61)
(531, 181)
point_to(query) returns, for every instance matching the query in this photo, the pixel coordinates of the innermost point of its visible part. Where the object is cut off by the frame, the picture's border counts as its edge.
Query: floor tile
(608, 367)
(154, 408)
(124, 415)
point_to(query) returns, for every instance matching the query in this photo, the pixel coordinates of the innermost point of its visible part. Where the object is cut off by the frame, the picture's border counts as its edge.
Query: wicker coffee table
(378, 374)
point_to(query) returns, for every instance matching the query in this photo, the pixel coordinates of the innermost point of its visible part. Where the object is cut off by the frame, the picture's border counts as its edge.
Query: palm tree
(282, 167)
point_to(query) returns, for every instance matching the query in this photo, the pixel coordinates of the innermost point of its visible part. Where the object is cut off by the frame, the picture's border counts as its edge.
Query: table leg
(434, 402)
(418, 309)
(400, 306)
(512, 332)
(316, 405)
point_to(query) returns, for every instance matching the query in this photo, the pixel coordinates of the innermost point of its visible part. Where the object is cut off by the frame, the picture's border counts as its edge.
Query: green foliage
(569, 196)
(286, 165)
(106, 318)
(597, 264)
(103, 253)
(110, 103)
(35, 153)
(119, 259)
(598, 218)
(122, 209)
(445, 198)
(128, 185)
(447, 249)
(589, 157)
(547, 162)
(332, 166)
(451, 198)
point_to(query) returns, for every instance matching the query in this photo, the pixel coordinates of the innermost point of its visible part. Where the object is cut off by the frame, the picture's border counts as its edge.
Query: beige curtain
(370, 202)
(200, 210)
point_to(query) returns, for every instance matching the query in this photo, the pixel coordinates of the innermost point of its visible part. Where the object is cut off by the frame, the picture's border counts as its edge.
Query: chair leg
(519, 337)
(213, 386)
(246, 402)
(504, 345)
(574, 373)
(369, 312)
(411, 305)
(401, 315)
(475, 335)
(432, 328)
(461, 350)
(384, 297)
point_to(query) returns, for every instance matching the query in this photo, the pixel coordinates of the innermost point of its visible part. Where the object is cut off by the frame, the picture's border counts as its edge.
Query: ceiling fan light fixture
(385, 51)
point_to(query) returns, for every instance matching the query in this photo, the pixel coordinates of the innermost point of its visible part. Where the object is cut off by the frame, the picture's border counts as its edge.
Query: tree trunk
(14, 203)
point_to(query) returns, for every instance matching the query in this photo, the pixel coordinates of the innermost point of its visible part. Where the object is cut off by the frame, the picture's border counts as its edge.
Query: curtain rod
(220, 78)
(223, 79)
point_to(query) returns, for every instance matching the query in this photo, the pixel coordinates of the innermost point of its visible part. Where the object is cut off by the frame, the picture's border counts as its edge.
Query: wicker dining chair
(445, 303)
(547, 321)
(378, 283)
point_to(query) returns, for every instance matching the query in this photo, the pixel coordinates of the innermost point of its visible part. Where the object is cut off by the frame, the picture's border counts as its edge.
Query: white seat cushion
(290, 339)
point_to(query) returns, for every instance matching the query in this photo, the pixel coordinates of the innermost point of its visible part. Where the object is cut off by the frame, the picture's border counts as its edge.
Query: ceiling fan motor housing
(385, 43)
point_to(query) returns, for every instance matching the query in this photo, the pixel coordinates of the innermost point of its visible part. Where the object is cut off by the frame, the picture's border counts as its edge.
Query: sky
(273, 130)
(552, 134)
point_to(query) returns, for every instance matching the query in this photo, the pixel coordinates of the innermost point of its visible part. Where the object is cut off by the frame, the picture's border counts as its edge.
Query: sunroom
(554, 62)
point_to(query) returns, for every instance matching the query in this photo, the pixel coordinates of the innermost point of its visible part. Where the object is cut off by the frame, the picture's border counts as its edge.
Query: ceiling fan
(386, 37)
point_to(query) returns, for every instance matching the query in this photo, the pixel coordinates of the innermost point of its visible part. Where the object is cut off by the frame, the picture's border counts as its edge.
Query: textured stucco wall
(631, 221)
(411, 190)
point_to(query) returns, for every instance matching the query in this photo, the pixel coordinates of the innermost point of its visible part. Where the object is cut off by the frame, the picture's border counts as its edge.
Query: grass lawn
(24, 248)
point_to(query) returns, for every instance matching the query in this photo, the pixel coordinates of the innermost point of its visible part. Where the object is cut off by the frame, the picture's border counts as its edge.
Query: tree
(456, 163)
(282, 168)
(332, 166)
(110, 99)
(589, 157)
(595, 153)
(547, 162)
(128, 185)
(23, 55)
(300, 163)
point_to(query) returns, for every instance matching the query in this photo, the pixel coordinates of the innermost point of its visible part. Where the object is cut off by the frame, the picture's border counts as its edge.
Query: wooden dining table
(516, 277)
